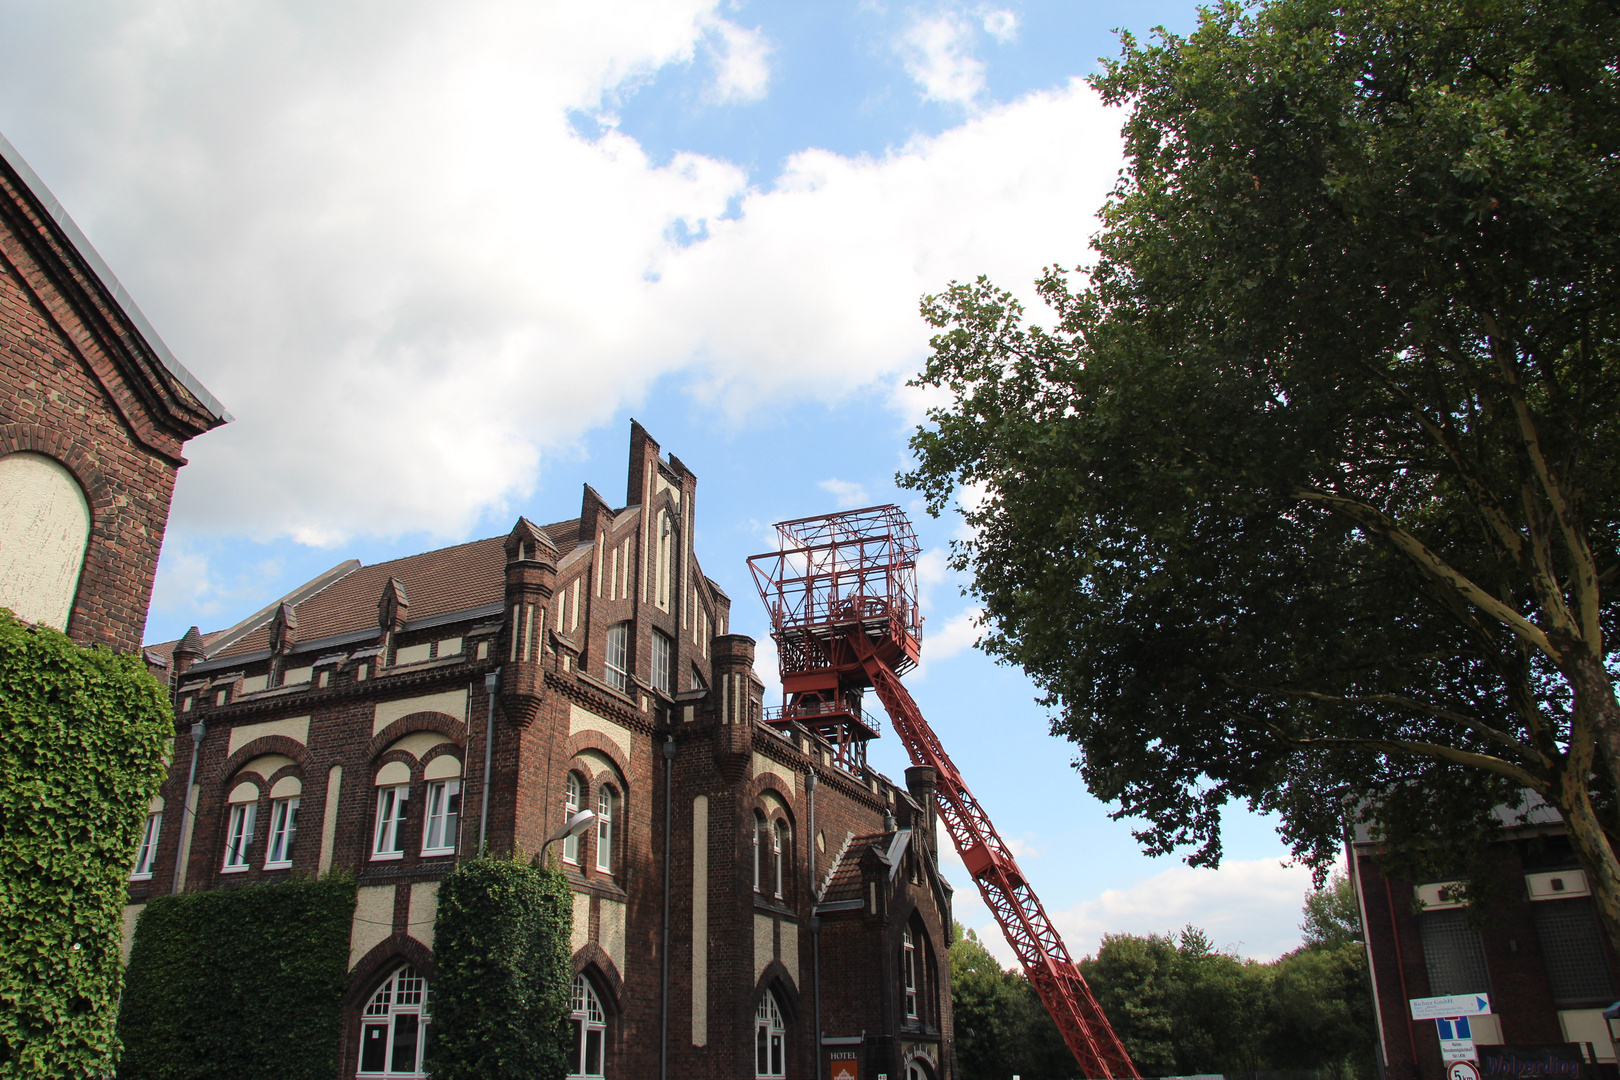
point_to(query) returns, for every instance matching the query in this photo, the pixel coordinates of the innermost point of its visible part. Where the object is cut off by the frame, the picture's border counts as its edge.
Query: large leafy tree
(1308, 497)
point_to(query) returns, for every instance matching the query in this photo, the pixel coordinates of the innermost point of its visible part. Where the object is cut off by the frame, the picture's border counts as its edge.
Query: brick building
(94, 413)
(386, 718)
(1541, 955)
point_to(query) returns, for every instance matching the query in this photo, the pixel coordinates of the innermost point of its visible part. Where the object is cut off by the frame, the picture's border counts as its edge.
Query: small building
(94, 414)
(1541, 955)
(393, 719)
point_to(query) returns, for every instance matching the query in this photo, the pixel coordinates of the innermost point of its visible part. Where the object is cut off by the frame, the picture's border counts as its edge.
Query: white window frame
(239, 836)
(388, 839)
(441, 822)
(759, 852)
(403, 995)
(779, 843)
(146, 854)
(588, 1019)
(573, 799)
(606, 800)
(616, 657)
(908, 967)
(283, 832)
(663, 660)
(770, 1040)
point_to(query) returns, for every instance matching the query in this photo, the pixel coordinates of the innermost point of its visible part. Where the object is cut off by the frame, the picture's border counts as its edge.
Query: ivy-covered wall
(502, 977)
(239, 983)
(83, 733)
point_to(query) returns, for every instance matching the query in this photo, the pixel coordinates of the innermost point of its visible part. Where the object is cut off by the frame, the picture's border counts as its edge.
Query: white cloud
(1252, 908)
(938, 54)
(743, 60)
(1000, 24)
(959, 632)
(374, 233)
(849, 495)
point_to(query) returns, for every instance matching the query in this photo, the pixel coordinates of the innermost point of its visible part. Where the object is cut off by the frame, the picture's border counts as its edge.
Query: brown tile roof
(845, 880)
(436, 583)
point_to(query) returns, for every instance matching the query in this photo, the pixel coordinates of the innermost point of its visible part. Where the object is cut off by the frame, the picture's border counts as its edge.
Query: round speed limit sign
(1462, 1070)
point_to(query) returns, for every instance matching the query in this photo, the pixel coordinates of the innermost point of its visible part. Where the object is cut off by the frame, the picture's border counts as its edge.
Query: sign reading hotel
(843, 1065)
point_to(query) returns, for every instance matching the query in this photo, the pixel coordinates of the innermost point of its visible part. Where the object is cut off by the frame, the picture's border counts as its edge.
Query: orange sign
(843, 1065)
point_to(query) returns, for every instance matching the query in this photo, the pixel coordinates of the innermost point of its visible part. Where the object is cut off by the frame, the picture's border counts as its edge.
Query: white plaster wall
(329, 820)
(44, 529)
(424, 908)
(373, 920)
(295, 728)
(582, 922)
(764, 943)
(452, 702)
(612, 916)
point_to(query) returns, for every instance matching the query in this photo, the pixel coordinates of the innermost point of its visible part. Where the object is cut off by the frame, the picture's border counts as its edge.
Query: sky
(434, 257)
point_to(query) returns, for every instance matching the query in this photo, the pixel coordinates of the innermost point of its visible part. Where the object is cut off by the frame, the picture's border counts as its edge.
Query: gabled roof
(451, 580)
(71, 244)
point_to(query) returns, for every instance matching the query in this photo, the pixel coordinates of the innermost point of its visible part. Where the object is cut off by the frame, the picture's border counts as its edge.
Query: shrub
(82, 739)
(236, 983)
(502, 975)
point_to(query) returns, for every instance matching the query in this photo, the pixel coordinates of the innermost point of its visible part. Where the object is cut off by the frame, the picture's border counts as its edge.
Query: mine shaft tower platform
(841, 591)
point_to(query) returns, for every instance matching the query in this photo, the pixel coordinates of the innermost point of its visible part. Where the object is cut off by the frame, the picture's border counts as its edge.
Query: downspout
(187, 819)
(491, 681)
(810, 781)
(669, 817)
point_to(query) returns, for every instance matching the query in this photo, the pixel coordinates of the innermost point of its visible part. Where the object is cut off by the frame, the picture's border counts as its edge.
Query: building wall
(556, 714)
(1524, 1010)
(81, 386)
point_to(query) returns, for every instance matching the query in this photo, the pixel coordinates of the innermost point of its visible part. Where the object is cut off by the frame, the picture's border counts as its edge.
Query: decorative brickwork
(398, 655)
(84, 381)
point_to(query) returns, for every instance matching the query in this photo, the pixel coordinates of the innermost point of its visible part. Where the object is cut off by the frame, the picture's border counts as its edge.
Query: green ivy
(83, 733)
(502, 977)
(239, 983)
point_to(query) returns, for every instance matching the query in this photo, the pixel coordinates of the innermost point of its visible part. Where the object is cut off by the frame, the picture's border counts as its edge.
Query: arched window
(759, 851)
(590, 1031)
(573, 799)
(44, 529)
(779, 844)
(770, 1033)
(393, 1026)
(244, 812)
(606, 801)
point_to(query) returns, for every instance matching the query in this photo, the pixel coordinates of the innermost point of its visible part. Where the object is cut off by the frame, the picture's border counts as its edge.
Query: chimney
(188, 651)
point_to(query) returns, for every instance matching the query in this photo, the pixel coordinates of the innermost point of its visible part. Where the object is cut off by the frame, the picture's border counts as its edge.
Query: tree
(1332, 917)
(1309, 496)
(1002, 1028)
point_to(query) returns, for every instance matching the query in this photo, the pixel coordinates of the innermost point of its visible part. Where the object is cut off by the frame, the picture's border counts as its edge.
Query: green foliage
(502, 973)
(244, 982)
(82, 738)
(1180, 1006)
(1313, 491)
(1332, 916)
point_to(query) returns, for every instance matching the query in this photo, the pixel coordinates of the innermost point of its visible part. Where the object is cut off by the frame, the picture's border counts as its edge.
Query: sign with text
(1456, 1040)
(843, 1065)
(1438, 1008)
(1542, 1061)
(1462, 1070)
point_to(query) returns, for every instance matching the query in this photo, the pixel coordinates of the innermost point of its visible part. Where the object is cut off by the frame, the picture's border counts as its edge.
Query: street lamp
(575, 825)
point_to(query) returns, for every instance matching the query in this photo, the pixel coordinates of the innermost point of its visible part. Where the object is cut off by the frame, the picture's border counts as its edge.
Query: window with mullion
(605, 804)
(392, 804)
(443, 815)
(146, 855)
(573, 799)
(283, 830)
(662, 650)
(616, 657)
(239, 835)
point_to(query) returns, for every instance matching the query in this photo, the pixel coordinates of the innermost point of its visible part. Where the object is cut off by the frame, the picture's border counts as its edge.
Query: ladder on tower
(841, 593)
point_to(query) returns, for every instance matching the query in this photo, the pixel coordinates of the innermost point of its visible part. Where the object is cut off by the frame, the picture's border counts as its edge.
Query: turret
(531, 576)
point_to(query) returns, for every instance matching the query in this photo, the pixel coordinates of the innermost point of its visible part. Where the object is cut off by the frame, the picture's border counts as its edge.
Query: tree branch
(1379, 523)
(1479, 727)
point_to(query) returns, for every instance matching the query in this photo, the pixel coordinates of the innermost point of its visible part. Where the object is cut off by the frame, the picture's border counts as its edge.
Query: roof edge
(109, 281)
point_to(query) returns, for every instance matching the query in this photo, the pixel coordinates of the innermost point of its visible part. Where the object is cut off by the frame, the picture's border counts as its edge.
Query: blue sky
(434, 258)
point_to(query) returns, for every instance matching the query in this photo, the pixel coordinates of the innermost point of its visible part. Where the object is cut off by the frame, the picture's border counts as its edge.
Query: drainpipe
(187, 822)
(491, 681)
(669, 817)
(810, 781)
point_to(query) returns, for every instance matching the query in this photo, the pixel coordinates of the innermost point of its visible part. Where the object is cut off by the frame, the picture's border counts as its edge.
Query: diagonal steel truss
(1040, 950)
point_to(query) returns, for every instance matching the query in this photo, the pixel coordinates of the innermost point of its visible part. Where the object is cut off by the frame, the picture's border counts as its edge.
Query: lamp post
(575, 825)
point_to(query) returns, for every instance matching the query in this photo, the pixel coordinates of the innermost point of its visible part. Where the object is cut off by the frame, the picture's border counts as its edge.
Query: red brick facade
(1547, 978)
(86, 382)
(379, 673)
